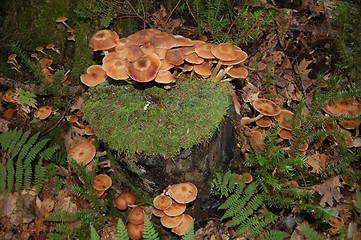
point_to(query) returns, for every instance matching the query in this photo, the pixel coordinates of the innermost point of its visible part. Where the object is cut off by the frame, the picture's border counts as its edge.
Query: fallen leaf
(330, 190)
(249, 92)
(77, 105)
(317, 161)
(303, 71)
(39, 226)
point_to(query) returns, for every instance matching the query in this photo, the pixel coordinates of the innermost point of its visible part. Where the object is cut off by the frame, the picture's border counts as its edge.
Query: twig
(171, 13)
(135, 12)
(37, 89)
(190, 11)
(53, 126)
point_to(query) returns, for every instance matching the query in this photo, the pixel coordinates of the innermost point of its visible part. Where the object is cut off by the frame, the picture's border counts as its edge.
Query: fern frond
(149, 232)
(28, 174)
(93, 234)
(275, 235)
(15, 138)
(49, 152)
(121, 233)
(310, 233)
(2, 177)
(26, 148)
(235, 196)
(190, 233)
(19, 175)
(54, 236)
(11, 173)
(223, 185)
(16, 149)
(358, 201)
(61, 216)
(40, 176)
(34, 151)
(61, 228)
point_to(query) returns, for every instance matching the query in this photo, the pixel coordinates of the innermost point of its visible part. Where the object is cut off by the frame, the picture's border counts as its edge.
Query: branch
(37, 89)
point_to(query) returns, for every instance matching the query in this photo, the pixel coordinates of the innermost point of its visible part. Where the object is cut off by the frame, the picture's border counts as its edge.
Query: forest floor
(284, 65)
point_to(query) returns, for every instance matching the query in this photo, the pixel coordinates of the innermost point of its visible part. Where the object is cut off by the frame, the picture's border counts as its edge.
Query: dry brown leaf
(77, 105)
(64, 203)
(303, 71)
(45, 206)
(236, 104)
(317, 161)
(39, 226)
(330, 190)
(249, 92)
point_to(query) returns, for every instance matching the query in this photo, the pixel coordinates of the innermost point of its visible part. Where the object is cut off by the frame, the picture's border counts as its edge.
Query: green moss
(154, 121)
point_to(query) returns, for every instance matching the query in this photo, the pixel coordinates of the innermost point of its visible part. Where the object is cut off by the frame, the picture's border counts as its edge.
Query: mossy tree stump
(162, 137)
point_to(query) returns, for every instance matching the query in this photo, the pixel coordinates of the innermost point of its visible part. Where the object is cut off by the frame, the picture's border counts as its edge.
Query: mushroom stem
(222, 73)
(247, 120)
(215, 70)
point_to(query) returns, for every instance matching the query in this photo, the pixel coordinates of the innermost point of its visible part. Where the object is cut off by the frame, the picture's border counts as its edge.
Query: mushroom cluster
(152, 55)
(171, 205)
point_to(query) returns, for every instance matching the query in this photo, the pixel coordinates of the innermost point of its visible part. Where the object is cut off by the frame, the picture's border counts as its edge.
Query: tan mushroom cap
(248, 176)
(115, 66)
(264, 121)
(164, 76)
(202, 69)
(183, 227)
(94, 76)
(303, 147)
(12, 56)
(343, 107)
(145, 68)
(203, 50)
(284, 133)
(61, 19)
(141, 37)
(135, 231)
(102, 182)
(357, 236)
(9, 96)
(241, 56)
(174, 56)
(183, 192)
(162, 202)
(82, 152)
(224, 52)
(133, 53)
(193, 58)
(43, 112)
(183, 41)
(238, 72)
(136, 215)
(158, 213)
(104, 40)
(284, 119)
(266, 107)
(163, 40)
(336, 221)
(171, 222)
(175, 209)
(124, 199)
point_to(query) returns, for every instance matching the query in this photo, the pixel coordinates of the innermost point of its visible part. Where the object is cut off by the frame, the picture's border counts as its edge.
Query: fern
(61, 228)
(121, 233)
(223, 184)
(149, 232)
(310, 233)
(275, 235)
(54, 236)
(190, 233)
(2, 177)
(61, 216)
(358, 201)
(22, 150)
(93, 234)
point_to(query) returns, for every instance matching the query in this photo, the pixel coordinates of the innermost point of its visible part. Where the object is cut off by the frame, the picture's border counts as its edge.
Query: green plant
(310, 233)
(244, 206)
(25, 100)
(21, 151)
(358, 201)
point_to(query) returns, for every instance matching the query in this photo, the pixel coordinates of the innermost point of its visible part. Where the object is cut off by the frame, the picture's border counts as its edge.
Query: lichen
(154, 121)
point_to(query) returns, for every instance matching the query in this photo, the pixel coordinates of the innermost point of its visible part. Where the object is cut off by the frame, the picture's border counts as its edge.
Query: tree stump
(194, 161)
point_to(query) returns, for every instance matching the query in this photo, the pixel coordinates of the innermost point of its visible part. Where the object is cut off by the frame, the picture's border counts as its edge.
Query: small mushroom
(52, 47)
(135, 231)
(136, 215)
(43, 112)
(82, 152)
(336, 221)
(183, 192)
(144, 69)
(171, 222)
(102, 182)
(63, 21)
(162, 202)
(266, 107)
(124, 199)
(94, 76)
(175, 209)
(104, 40)
(183, 227)
(40, 49)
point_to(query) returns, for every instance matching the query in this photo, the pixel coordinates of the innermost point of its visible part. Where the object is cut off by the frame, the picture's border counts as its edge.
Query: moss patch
(154, 121)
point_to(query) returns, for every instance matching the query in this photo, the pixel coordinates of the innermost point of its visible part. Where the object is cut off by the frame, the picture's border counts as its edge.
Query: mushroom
(94, 76)
(233, 72)
(115, 66)
(193, 58)
(158, 213)
(183, 227)
(142, 37)
(43, 112)
(63, 21)
(203, 69)
(335, 221)
(175, 209)
(102, 182)
(12, 59)
(163, 40)
(223, 52)
(284, 119)
(71, 38)
(82, 152)
(133, 53)
(264, 121)
(174, 57)
(104, 40)
(40, 49)
(35, 55)
(144, 69)
(52, 47)
(162, 202)
(165, 77)
(183, 192)
(136, 215)
(203, 50)
(248, 177)
(9, 96)
(124, 199)
(266, 107)
(135, 231)
(171, 222)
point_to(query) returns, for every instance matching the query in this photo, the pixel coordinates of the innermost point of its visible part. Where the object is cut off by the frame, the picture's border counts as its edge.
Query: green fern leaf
(28, 174)
(34, 151)
(93, 234)
(40, 176)
(61, 216)
(15, 139)
(26, 148)
(310, 233)
(49, 152)
(11, 173)
(2, 177)
(189, 235)
(149, 232)
(122, 233)
(19, 175)
(235, 196)
(275, 235)
(358, 201)
(16, 149)
(61, 228)
(54, 236)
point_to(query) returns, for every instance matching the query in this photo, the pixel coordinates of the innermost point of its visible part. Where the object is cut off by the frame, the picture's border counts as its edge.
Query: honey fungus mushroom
(183, 192)
(43, 112)
(124, 199)
(266, 107)
(162, 202)
(94, 76)
(104, 40)
(145, 69)
(102, 182)
(82, 152)
(183, 227)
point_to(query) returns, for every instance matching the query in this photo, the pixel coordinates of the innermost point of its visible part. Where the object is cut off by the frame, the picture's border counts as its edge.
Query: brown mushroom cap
(133, 53)
(102, 182)
(203, 50)
(124, 199)
(43, 112)
(162, 202)
(336, 221)
(135, 231)
(136, 215)
(281, 118)
(158, 213)
(266, 107)
(61, 19)
(104, 40)
(175, 209)
(193, 58)
(202, 69)
(115, 66)
(224, 52)
(145, 68)
(183, 227)
(82, 152)
(165, 77)
(357, 236)
(183, 42)
(248, 176)
(241, 56)
(264, 121)
(183, 192)
(171, 222)
(174, 56)
(94, 76)
(285, 134)
(238, 72)
(141, 37)
(163, 40)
